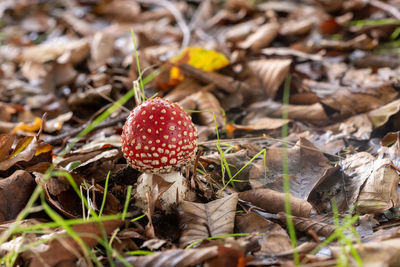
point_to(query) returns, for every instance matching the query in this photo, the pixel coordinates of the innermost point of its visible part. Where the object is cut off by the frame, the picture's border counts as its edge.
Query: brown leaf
(101, 49)
(252, 223)
(305, 225)
(67, 52)
(28, 148)
(64, 248)
(307, 168)
(372, 183)
(15, 192)
(173, 257)
(381, 253)
(261, 38)
(381, 115)
(275, 241)
(271, 72)
(6, 141)
(200, 221)
(206, 101)
(273, 202)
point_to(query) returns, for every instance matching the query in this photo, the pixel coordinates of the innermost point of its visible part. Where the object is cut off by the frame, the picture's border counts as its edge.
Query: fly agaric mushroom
(159, 137)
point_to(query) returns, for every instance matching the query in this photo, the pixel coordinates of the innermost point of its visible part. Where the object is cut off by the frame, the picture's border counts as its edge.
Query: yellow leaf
(21, 146)
(206, 60)
(35, 126)
(43, 149)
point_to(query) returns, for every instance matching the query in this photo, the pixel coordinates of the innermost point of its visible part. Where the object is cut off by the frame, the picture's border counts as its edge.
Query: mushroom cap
(158, 136)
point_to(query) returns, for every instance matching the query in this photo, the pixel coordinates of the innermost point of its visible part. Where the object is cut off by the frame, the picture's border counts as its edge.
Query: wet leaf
(200, 221)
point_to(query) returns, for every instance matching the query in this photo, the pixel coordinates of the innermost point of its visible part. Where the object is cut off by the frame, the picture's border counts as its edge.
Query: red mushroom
(159, 137)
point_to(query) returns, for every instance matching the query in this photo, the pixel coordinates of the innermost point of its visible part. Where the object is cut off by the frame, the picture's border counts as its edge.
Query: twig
(386, 7)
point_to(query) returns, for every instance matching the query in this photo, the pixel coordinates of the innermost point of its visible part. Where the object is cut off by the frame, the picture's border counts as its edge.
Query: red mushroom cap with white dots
(158, 136)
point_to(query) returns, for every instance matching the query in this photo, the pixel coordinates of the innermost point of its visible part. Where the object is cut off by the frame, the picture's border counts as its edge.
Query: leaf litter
(63, 67)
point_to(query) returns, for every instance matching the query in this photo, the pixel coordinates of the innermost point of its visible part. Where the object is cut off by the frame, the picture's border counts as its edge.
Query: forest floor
(297, 110)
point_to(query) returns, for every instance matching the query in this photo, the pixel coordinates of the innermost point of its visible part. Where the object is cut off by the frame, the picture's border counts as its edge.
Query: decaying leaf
(381, 115)
(252, 223)
(307, 168)
(271, 73)
(381, 253)
(305, 225)
(371, 184)
(173, 257)
(261, 38)
(275, 241)
(64, 248)
(200, 221)
(69, 51)
(274, 202)
(15, 192)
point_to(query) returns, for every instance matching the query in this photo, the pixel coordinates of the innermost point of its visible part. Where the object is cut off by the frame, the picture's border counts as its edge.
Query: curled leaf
(274, 202)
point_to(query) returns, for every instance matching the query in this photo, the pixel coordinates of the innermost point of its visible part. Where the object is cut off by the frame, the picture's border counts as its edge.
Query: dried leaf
(307, 168)
(381, 253)
(68, 51)
(274, 202)
(381, 115)
(200, 221)
(261, 38)
(253, 223)
(24, 152)
(15, 192)
(271, 72)
(173, 257)
(371, 183)
(66, 248)
(207, 102)
(305, 225)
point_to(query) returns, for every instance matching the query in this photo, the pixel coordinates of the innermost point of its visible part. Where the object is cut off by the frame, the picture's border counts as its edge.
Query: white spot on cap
(153, 108)
(161, 118)
(173, 139)
(138, 146)
(179, 122)
(180, 142)
(143, 112)
(155, 162)
(155, 155)
(174, 112)
(146, 148)
(151, 117)
(166, 137)
(172, 161)
(160, 150)
(149, 130)
(172, 128)
(143, 137)
(185, 133)
(150, 142)
(158, 141)
(163, 110)
(153, 148)
(164, 159)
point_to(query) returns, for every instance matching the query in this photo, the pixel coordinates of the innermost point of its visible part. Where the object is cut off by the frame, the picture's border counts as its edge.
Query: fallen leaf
(307, 168)
(64, 248)
(15, 192)
(273, 202)
(371, 184)
(173, 257)
(200, 221)
(200, 58)
(271, 72)
(381, 115)
(261, 38)
(306, 224)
